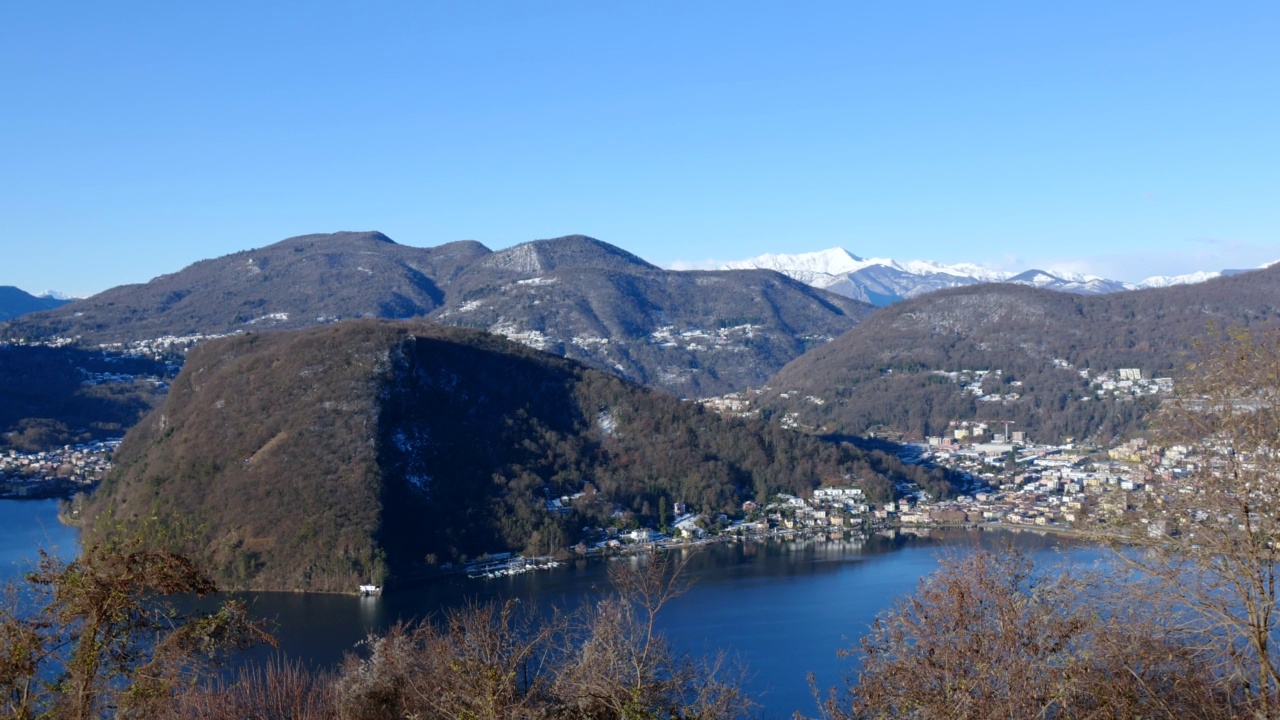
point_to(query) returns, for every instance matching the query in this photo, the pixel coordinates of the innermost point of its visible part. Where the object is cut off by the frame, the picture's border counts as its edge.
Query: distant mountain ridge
(1008, 352)
(881, 281)
(693, 334)
(16, 303)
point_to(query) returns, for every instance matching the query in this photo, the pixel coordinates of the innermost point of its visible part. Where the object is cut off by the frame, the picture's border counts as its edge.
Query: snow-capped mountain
(16, 303)
(1160, 281)
(57, 295)
(881, 281)
(1196, 277)
(1069, 282)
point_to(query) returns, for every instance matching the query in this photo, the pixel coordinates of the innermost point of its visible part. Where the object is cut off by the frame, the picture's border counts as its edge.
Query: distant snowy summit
(57, 295)
(881, 281)
(1196, 277)
(15, 302)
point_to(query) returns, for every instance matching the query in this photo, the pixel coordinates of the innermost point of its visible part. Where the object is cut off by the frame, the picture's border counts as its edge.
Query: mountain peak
(15, 302)
(832, 261)
(569, 251)
(344, 237)
(884, 280)
(1188, 279)
(1036, 277)
(366, 235)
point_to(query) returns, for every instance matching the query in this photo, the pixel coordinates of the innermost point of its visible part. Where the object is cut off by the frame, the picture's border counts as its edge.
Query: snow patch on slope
(607, 422)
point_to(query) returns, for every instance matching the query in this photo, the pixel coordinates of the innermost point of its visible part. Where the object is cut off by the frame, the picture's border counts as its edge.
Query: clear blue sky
(1129, 139)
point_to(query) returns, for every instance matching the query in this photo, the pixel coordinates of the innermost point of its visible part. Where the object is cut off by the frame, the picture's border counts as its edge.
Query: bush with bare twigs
(992, 636)
(491, 662)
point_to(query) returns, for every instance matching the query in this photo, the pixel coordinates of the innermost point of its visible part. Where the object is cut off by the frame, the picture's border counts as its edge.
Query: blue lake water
(782, 607)
(28, 526)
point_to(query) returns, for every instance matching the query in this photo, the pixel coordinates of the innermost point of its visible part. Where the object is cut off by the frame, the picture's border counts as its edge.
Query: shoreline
(552, 562)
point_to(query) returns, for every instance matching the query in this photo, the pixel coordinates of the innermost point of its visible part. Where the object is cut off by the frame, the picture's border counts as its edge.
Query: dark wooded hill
(886, 370)
(50, 397)
(15, 302)
(322, 458)
(690, 333)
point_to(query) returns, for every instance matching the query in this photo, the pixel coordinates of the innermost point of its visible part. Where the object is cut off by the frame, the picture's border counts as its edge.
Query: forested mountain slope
(322, 458)
(892, 369)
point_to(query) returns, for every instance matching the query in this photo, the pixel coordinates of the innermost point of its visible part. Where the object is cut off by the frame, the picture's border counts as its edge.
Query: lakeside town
(55, 473)
(1007, 481)
(1010, 482)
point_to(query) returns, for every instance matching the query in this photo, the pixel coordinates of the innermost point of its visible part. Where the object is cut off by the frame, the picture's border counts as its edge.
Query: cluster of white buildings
(160, 347)
(1046, 486)
(698, 339)
(985, 385)
(830, 507)
(1127, 381)
(24, 473)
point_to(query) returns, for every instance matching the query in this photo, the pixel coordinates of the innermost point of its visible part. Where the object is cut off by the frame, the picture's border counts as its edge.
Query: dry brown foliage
(279, 690)
(491, 662)
(95, 636)
(991, 636)
(1210, 539)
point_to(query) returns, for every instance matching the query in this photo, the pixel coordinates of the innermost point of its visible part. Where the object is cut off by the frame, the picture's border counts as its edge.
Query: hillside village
(165, 347)
(1011, 481)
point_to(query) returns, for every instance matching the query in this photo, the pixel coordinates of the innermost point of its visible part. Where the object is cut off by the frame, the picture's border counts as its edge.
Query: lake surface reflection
(783, 607)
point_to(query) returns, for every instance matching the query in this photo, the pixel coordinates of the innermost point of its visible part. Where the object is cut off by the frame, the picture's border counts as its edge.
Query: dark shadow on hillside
(462, 428)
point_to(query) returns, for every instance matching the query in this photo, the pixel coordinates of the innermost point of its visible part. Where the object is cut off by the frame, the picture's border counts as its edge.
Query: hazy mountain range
(881, 281)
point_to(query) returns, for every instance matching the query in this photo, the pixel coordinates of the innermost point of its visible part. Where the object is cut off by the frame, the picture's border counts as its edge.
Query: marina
(506, 565)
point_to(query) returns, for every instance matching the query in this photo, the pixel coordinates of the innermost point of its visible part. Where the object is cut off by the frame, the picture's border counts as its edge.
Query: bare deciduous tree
(991, 636)
(484, 662)
(279, 690)
(605, 662)
(1212, 536)
(621, 667)
(95, 635)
